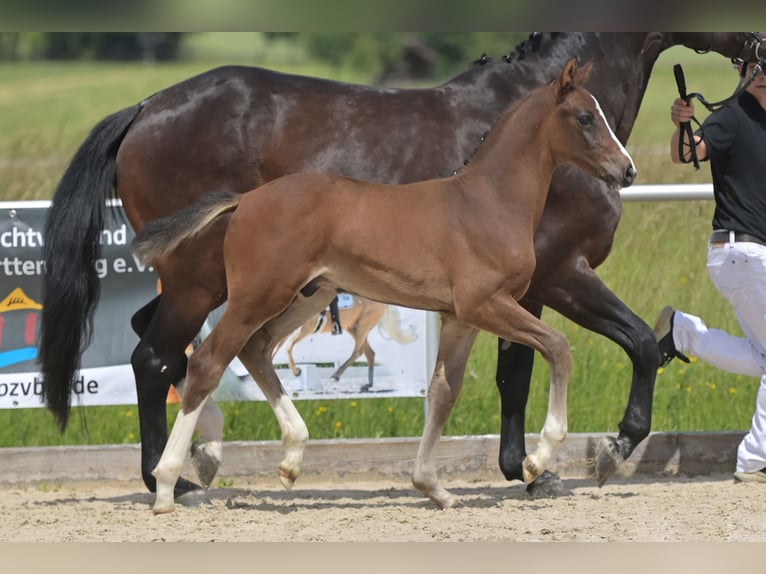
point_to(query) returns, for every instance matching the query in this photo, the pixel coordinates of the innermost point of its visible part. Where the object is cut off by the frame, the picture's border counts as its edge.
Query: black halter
(754, 50)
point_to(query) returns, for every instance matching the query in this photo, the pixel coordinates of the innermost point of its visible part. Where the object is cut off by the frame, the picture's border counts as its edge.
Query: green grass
(658, 259)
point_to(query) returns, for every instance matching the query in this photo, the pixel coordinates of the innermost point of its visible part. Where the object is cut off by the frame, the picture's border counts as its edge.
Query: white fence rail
(669, 192)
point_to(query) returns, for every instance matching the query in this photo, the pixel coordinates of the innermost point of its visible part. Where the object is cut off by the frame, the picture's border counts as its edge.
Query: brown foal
(461, 246)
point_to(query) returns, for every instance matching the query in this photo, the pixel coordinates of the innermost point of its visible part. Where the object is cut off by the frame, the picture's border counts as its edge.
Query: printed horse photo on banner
(313, 363)
(358, 317)
(469, 256)
(390, 135)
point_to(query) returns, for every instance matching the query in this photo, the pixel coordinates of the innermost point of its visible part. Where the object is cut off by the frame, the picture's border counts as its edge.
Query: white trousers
(738, 271)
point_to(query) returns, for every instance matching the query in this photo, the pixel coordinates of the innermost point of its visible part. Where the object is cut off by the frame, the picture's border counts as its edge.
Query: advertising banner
(404, 340)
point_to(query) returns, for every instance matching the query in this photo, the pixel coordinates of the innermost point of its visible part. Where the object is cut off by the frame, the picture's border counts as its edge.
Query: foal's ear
(567, 80)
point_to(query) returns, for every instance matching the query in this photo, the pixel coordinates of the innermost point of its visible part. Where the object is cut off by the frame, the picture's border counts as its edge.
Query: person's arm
(683, 111)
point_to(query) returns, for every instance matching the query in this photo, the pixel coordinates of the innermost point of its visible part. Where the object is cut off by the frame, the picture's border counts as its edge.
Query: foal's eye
(585, 119)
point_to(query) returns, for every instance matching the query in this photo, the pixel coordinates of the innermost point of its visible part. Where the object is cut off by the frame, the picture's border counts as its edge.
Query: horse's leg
(513, 376)
(159, 361)
(302, 334)
(207, 450)
(369, 355)
(582, 297)
(505, 317)
(256, 356)
(359, 340)
(455, 343)
(206, 367)
(370, 316)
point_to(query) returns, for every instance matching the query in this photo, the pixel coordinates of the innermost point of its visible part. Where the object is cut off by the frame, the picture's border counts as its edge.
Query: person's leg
(739, 273)
(751, 454)
(716, 347)
(335, 315)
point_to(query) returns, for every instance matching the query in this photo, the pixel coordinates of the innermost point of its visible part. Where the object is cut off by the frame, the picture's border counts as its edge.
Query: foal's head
(580, 133)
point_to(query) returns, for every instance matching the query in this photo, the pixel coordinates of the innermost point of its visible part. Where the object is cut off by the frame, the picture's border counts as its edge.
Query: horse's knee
(152, 373)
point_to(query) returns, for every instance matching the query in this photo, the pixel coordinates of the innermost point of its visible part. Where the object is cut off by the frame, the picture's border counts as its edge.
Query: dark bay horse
(464, 247)
(238, 127)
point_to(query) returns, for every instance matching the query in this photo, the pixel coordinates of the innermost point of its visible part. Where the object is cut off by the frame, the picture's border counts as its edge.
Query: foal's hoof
(287, 478)
(365, 388)
(547, 485)
(530, 469)
(445, 501)
(206, 458)
(607, 460)
(184, 486)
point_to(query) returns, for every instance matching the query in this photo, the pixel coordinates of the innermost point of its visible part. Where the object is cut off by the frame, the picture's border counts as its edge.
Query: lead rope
(686, 128)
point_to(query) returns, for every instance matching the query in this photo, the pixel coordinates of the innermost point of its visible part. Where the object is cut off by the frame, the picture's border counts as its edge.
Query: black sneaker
(663, 332)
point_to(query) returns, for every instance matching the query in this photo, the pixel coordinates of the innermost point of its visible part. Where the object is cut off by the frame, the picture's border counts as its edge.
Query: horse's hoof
(607, 460)
(365, 388)
(547, 485)
(206, 458)
(449, 501)
(184, 486)
(530, 469)
(287, 479)
(162, 509)
(194, 499)
(164, 499)
(297, 372)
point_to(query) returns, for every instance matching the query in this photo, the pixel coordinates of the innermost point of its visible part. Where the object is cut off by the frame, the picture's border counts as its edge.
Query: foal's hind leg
(256, 356)
(455, 343)
(159, 361)
(206, 367)
(207, 451)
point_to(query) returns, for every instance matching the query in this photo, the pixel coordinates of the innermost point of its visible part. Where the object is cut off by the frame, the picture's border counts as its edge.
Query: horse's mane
(530, 45)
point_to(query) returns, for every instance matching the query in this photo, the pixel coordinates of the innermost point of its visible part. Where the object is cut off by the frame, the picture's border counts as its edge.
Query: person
(733, 139)
(337, 329)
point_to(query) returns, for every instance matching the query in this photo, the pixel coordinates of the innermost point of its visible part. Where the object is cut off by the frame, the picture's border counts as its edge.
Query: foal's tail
(162, 236)
(72, 233)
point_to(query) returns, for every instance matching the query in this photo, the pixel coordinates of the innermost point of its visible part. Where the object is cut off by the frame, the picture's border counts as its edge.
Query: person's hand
(682, 111)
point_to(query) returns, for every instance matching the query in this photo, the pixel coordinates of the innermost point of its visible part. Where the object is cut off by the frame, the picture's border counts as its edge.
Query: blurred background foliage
(387, 56)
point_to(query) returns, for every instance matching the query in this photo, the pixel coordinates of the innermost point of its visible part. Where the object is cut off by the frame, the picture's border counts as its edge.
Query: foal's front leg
(455, 343)
(503, 316)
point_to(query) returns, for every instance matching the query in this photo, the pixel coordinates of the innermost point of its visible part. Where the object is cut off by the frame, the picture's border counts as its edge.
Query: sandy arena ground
(699, 509)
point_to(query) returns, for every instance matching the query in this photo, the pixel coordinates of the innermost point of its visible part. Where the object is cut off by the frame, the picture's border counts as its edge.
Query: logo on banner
(19, 322)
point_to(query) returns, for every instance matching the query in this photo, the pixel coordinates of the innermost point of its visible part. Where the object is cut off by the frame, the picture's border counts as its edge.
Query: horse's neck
(622, 60)
(515, 164)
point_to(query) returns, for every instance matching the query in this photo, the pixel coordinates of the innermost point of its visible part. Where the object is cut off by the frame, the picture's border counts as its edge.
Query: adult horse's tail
(72, 233)
(162, 236)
